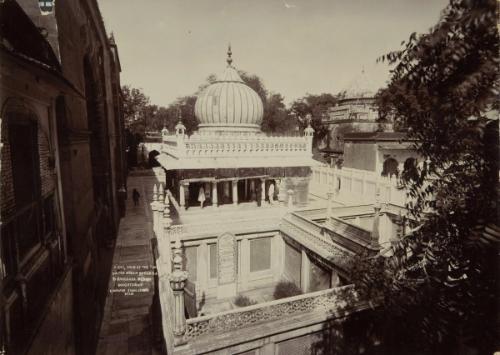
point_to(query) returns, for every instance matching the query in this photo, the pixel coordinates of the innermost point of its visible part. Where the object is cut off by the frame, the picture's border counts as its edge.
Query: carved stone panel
(226, 253)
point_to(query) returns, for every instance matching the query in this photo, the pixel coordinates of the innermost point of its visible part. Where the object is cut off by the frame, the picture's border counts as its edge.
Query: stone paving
(126, 327)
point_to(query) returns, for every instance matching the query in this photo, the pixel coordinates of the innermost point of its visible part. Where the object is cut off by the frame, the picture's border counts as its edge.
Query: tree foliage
(277, 118)
(317, 106)
(437, 291)
(135, 109)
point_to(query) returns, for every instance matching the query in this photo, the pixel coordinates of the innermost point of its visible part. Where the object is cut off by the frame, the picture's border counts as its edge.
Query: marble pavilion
(229, 156)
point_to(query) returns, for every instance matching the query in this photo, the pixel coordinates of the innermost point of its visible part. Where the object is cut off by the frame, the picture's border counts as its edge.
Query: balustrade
(335, 299)
(357, 186)
(212, 145)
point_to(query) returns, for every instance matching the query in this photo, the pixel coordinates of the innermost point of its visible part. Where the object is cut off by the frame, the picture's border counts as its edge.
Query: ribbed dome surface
(229, 104)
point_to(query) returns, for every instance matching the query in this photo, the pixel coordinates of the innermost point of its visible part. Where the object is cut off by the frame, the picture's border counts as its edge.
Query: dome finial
(229, 53)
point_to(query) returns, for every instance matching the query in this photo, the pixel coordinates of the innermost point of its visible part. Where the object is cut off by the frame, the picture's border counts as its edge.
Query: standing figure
(135, 197)
(270, 193)
(201, 196)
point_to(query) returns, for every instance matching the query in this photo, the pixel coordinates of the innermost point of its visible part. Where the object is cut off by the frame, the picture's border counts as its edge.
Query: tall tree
(441, 281)
(276, 117)
(134, 109)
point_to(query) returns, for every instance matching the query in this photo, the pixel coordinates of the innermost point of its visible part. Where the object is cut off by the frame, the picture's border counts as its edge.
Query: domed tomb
(229, 104)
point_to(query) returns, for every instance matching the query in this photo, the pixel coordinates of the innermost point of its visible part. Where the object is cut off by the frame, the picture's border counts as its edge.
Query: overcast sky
(169, 47)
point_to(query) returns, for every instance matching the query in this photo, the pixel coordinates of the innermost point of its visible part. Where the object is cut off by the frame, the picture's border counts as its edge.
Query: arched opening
(390, 168)
(152, 159)
(410, 171)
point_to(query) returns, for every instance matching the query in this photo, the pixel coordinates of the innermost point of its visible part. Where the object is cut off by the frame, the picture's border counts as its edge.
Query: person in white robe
(201, 196)
(270, 193)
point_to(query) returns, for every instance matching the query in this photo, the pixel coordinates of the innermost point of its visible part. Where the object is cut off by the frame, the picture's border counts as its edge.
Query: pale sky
(169, 47)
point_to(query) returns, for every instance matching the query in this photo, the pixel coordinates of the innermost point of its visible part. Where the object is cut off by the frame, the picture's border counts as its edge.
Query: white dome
(229, 104)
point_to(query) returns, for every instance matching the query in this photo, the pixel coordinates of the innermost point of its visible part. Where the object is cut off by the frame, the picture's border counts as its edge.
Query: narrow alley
(126, 327)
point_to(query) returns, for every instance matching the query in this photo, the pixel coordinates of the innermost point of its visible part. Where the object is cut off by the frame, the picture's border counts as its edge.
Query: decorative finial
(229, 53)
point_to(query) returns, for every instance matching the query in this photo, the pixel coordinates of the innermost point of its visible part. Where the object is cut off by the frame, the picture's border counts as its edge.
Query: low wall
(356, 186)
(295, 325)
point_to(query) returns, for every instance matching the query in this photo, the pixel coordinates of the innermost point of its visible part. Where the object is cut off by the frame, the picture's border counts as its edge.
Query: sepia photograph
(249, 177)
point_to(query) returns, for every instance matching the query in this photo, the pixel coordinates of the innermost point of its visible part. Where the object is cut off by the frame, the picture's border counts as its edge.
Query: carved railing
(335, 299)
(357, 186)
(237, 144)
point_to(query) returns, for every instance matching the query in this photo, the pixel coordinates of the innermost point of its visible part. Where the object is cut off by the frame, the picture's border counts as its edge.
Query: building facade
(61, 168)
(355, 112)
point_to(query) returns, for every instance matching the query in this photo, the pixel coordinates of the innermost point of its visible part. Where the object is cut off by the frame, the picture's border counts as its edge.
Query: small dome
(229, 104)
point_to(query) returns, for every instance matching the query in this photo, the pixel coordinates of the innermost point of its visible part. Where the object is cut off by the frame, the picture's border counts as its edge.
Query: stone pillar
(235, 191)
(177, 282)
(252, 190)
(305, 272)
(376, 223)
(215, 201)
(245, 195)
(263, 189)
(183, 192)
(182, 197)
(159, 210)
(166, 254)
(399, 221)
(154, 204)
(186, 194)
(329, 207)
(290, 198)
(281, 191)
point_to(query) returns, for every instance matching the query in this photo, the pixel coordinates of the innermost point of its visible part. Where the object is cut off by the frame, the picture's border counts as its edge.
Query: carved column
(159, 210)
(305, 272)
(245, 196)
(153, 205)
(183, 192)
(281, 191)
(252, 190)
(235, 191)
(215, 198)
(182, 197)
(177, 282)
(329, 208)
(290, 198)
(376, 223)
(166, 254)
